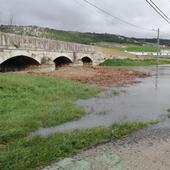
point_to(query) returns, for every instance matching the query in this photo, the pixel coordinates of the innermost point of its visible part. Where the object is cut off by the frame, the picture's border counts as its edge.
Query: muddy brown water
(145, 101)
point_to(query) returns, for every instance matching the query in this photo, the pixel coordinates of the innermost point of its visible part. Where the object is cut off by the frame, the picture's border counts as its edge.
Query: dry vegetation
(102, 76)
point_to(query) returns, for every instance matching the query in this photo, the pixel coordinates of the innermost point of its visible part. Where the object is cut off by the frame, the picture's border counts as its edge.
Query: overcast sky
(76, 15)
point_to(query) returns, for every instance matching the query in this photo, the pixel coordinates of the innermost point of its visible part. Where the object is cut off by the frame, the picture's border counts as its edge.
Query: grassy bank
(29, 153)
(70, 36)
(29, 102)
(130, 62)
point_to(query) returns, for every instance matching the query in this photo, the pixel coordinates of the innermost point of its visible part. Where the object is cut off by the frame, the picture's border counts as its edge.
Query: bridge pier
(47, 67)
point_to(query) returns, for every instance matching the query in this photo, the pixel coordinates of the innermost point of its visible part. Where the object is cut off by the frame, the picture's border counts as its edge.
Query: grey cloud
(78, 16)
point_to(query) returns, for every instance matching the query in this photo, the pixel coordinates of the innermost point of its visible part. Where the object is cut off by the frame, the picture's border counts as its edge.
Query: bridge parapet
(28, 42)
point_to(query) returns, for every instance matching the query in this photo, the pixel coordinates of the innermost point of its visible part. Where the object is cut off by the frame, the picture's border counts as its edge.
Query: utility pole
(11, 19)
(158, 46)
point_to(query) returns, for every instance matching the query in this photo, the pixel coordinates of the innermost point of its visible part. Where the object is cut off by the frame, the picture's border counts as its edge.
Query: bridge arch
(87, 60)
(62, 60)
(18, 63)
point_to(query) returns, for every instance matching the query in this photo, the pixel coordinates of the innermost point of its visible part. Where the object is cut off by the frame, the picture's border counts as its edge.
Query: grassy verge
(130, 62)
(29, 153)
(29, 102)
(140, 48)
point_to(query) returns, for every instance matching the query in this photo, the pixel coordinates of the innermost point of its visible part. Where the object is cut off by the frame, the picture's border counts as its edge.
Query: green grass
(28, 102)
(28, 153)
(168, 115)
(129, 47)
(140, 48)
(70, 36)
(130, 62)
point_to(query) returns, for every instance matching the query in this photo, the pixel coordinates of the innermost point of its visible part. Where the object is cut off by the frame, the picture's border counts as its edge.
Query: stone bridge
(19, 52)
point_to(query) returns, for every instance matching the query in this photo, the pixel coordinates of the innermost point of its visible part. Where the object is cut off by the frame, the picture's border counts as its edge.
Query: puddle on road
(145, 101)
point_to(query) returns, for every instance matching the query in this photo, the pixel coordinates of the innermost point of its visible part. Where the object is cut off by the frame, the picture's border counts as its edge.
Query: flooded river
(145, 101)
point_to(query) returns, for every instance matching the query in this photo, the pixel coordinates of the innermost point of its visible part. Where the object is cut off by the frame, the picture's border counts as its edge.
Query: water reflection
(156, 76)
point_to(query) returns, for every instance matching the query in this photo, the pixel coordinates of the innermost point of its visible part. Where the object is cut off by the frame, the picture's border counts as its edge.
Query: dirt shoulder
(147, 149)
(102, 76)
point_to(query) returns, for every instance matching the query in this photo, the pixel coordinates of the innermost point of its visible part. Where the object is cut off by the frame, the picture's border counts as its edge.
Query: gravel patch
(147, 149)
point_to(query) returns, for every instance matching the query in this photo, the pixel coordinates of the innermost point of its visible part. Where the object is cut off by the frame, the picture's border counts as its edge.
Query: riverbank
(135, 62)
(29, 102)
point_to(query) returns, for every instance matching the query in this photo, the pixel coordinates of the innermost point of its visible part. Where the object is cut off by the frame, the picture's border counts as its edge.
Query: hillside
(85, 38)
(104, 40)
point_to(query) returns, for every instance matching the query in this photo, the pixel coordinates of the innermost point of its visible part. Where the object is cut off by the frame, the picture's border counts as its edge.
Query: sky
(76, 15)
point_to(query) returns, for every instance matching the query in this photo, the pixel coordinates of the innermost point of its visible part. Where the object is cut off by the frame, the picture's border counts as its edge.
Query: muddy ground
(102, 76)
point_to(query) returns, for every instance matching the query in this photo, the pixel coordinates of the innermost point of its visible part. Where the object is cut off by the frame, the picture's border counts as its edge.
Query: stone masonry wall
(26, 42)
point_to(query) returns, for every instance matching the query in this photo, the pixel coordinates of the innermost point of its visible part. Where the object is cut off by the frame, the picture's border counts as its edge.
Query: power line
(115, 17)
(158, 10)
(123, 21)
